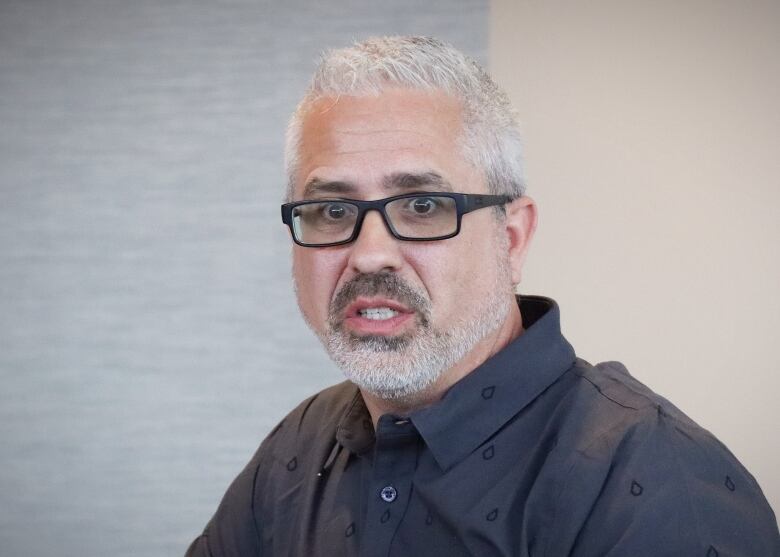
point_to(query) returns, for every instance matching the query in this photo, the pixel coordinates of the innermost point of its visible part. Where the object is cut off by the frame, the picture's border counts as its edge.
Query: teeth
(378, 314)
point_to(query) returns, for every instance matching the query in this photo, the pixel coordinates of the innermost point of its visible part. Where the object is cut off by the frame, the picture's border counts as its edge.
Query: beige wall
(652, 136)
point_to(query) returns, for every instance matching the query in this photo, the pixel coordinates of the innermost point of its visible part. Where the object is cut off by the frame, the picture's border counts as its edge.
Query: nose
(375, 249)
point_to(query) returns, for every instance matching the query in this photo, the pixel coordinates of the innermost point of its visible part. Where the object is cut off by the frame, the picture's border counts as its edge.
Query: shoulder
(311, 426)
(300, 440)
(643, 474)
(621, 413)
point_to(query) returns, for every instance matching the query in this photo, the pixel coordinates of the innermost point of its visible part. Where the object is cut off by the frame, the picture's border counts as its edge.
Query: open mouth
(375, 316)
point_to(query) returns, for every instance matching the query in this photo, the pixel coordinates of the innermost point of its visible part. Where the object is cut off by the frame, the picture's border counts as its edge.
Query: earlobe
(521, 219)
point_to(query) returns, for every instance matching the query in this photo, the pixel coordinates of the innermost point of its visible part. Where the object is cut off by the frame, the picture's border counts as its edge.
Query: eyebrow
(396, 181)
(411, 181)
(317, 186)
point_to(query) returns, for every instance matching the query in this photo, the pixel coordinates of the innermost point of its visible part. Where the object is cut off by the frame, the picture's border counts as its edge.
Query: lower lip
(392, 326)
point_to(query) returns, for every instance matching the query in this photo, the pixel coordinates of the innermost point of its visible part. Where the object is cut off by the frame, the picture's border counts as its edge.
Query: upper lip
(354, 309)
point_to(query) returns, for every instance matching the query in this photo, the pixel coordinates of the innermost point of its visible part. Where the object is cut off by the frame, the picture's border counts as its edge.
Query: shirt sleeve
(666, 487)
(199, 547)
(234, 530)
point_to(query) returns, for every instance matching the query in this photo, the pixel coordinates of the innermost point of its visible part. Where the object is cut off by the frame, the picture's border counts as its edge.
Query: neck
(509, 330)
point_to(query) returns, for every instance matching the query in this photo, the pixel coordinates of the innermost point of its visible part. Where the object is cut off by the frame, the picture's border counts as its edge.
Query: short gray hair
(491, 134)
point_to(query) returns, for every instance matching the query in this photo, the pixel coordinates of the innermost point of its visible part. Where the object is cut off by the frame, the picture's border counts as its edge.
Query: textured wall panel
(149, 337)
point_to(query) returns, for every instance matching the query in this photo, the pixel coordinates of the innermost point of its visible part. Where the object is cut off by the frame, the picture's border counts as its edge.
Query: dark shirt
(534, 453)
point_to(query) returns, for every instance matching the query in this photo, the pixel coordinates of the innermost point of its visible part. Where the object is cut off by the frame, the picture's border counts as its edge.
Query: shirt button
(388, 494)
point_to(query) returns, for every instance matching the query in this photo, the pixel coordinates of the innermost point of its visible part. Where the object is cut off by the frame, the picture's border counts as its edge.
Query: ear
(521, 217)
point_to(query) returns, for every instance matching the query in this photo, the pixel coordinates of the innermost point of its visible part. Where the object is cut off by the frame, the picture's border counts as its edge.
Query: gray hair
(491, 134)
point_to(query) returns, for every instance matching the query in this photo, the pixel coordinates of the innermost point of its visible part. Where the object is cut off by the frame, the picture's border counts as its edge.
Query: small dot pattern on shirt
(457, 471)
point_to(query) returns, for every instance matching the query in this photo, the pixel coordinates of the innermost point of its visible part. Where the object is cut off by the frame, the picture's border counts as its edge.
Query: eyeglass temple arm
(476, 201)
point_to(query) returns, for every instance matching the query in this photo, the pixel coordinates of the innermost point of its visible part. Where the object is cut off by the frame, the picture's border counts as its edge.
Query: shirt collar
(488, 397)
(355, 431)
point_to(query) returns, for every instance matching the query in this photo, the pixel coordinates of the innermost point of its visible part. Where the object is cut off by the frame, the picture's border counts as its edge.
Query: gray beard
(404, 367)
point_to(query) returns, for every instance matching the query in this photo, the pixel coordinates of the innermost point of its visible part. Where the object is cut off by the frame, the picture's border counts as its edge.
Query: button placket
(395, 459)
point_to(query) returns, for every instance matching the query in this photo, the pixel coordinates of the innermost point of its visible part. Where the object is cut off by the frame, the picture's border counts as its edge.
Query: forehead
(367, 139)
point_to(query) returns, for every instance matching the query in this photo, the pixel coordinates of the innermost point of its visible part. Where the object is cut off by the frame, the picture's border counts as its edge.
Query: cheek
(459, 271)
(316, 274)
(439, 270)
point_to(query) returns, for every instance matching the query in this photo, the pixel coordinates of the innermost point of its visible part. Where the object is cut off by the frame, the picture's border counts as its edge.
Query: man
(467, 425)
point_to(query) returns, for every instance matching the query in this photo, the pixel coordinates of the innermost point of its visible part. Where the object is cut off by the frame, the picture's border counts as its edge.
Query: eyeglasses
(417, 217)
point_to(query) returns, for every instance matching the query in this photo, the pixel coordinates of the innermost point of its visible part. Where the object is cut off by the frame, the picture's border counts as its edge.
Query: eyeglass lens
(410, 217)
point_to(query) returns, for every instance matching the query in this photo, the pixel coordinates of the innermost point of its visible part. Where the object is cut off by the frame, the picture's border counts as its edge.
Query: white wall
(652, 136)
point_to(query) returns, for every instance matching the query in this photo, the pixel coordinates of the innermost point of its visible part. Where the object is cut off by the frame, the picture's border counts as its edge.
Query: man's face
(396, 314)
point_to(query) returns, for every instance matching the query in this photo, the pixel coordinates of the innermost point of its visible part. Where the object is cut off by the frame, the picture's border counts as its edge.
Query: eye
(423, 205)
(334, 211)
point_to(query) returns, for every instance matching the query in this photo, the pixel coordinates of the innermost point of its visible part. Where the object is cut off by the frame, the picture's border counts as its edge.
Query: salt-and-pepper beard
(404, 367)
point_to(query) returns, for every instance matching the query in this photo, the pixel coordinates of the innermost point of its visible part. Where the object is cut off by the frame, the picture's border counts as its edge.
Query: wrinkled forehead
(368, 140)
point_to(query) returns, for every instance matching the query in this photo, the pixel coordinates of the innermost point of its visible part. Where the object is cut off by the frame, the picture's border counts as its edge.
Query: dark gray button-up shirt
(534, 453)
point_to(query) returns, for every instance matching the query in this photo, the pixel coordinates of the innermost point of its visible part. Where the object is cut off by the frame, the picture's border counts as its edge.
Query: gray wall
(149, 337)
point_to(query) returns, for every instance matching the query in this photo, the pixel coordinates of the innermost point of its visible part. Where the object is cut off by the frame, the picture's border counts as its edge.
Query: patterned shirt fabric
(534, 453)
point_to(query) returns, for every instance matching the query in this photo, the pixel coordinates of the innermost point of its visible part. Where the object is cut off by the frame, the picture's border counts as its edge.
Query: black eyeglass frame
(464, 203)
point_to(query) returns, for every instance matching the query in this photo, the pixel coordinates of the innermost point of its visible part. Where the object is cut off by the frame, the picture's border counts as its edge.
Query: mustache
(384, 284)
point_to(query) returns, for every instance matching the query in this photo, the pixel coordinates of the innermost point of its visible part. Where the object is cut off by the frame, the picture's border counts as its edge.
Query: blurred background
(652, 134)
(149, 337)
